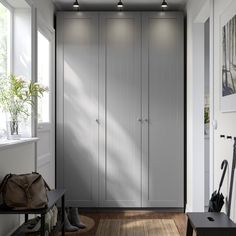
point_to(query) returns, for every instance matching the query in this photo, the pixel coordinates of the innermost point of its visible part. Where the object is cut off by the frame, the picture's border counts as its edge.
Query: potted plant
(16, 97)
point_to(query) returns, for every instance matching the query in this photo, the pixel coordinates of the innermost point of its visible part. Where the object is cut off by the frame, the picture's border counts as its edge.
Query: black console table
(53, 197)
(210, 224)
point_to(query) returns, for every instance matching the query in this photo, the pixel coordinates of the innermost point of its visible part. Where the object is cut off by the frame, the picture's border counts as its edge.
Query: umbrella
(217, 199)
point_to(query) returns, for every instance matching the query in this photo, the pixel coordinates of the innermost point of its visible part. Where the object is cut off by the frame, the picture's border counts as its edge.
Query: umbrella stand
(232, 178)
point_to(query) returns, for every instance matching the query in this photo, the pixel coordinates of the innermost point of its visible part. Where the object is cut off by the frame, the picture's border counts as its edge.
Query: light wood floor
(179, 218)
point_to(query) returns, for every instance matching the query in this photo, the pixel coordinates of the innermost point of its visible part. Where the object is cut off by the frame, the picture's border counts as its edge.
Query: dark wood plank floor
(179, 218)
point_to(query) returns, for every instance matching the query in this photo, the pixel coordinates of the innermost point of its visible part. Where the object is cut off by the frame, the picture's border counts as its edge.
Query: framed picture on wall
(228, 62)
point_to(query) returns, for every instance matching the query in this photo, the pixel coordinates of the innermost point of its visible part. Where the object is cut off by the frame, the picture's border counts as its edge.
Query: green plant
(16, 94)
(206, 115)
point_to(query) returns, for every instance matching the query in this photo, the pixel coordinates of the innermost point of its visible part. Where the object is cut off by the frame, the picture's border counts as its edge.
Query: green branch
(16, 94)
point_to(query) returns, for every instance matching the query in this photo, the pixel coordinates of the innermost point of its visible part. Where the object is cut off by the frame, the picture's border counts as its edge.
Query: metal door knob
(139, 120)
(97, 120)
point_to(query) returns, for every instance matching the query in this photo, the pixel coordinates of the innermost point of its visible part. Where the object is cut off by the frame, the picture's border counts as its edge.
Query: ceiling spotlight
(120, 4)
(164, 4)
(76, 4)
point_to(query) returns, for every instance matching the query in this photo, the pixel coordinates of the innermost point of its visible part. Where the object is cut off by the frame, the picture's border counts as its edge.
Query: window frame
(49, 35)
(11, 46)
(33, 58)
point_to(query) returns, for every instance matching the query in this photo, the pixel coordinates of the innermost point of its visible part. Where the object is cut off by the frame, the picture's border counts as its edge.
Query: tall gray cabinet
(162, 110)
(120, 105)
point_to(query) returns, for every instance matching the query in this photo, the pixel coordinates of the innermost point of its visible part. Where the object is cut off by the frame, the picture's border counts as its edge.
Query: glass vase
(13, 129)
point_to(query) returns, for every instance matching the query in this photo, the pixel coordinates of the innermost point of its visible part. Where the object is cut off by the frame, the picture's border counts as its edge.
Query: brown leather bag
(26, 191)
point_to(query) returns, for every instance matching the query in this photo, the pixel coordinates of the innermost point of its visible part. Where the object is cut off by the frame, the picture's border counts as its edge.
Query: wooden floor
(179, 218)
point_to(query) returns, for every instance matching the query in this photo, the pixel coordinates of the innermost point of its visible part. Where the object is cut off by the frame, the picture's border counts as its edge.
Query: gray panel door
(120, 110)
(163, 108)
(78, 107)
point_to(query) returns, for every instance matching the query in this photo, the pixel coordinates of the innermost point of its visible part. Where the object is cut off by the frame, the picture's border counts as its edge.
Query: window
(4, 40)
(5, 45)
(43, 77)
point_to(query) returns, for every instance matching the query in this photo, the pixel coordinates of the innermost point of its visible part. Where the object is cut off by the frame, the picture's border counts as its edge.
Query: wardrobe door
(77, 107)
(163, 109)
(120, 110)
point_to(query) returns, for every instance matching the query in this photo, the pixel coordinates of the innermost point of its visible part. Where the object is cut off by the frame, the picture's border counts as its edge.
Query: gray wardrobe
(120, 109)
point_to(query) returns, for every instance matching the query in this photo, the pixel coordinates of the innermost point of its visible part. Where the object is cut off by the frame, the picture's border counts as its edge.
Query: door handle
(140, 120)
(146, 120)
(97, 121)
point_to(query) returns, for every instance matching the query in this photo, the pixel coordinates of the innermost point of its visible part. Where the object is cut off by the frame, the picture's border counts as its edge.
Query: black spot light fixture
(164, 4)
(120, 5)
(76, 5)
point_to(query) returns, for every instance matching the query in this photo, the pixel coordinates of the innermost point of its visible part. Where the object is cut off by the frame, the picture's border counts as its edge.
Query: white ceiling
(111, 4)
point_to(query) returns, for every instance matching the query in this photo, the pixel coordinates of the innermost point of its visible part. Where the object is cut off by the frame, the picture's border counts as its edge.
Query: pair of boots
(72, 220)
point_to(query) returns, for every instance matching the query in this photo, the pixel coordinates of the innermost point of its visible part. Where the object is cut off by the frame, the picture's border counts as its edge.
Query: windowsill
(6, 144)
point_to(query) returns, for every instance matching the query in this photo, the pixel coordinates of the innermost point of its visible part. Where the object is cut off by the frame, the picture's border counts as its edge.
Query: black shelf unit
(53, 197)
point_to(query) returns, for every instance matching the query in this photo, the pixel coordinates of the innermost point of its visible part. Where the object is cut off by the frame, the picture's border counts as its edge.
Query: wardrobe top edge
(180, 13)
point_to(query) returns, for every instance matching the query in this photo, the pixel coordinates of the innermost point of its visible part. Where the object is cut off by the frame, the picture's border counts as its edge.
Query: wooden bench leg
(26, 218)
(189, 229)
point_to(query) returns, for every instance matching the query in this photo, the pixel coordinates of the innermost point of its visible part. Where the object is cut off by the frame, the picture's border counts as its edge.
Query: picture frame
(228, 61)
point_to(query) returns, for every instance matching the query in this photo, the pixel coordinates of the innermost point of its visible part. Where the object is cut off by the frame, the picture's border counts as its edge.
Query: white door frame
(49, 33)
(196, 146)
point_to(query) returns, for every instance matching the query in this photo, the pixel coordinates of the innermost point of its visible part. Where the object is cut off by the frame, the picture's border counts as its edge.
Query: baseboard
(188, 208)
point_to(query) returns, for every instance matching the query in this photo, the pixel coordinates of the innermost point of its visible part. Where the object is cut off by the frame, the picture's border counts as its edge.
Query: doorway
(200, 53)
(207, 110)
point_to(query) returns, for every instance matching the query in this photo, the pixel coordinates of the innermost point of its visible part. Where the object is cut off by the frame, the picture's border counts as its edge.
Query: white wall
(45, 11)
(226, 121)
(222, 148)
(16, 159)
(21, 158)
